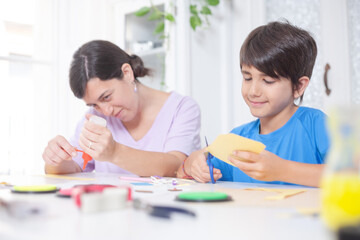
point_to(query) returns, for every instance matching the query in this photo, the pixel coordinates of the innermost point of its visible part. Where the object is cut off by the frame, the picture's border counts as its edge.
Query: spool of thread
(109, 199)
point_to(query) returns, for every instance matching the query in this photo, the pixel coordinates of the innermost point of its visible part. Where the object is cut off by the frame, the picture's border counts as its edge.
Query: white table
(61, 219)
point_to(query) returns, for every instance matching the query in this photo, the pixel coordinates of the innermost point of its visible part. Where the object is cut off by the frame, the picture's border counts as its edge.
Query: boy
(276, 62)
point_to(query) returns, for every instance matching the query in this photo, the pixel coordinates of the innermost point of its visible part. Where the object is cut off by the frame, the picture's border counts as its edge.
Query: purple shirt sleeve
(184, 133)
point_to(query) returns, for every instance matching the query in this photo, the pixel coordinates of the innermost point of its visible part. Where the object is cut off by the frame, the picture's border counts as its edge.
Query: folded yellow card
(225, 144)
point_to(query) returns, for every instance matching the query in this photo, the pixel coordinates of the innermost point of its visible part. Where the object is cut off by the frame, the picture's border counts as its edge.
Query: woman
(148, 132)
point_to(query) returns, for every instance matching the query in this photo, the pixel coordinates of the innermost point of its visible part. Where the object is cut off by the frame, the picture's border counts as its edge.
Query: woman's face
(113, 97)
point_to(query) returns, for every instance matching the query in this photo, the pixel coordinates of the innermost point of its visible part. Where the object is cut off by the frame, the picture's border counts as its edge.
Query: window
(335, 27)
(27, 83)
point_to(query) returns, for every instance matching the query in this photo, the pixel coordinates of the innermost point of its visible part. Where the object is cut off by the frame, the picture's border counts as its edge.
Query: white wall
(80, 21)
(215, 68)
(207, 61)
(214, 60)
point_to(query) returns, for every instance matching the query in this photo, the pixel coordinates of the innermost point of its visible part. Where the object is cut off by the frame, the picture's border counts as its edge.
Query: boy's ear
(303, 83)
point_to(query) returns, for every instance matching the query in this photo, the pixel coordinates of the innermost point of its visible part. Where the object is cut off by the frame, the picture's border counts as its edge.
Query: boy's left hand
(265, 166)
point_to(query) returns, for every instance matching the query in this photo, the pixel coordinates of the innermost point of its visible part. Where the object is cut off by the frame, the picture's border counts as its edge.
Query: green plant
(199, 13)
(156, 15)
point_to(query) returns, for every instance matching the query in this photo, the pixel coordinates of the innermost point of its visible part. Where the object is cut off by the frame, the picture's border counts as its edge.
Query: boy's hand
(197, 167)
(265, 166)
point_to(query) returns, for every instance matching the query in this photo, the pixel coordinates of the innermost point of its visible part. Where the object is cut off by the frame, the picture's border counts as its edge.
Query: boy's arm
(302, 173)
(267, 166)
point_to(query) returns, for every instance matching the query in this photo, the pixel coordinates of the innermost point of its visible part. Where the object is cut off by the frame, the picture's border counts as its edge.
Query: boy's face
(267, 97)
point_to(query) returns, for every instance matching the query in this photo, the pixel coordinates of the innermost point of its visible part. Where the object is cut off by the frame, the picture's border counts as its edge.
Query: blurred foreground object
(341, 179)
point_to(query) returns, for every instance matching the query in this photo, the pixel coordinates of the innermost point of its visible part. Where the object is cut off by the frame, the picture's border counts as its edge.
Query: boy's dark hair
(103, 60)
(280, 49)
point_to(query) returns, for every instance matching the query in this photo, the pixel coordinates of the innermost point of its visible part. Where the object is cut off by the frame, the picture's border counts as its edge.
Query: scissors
(211, 166)
(161, 211)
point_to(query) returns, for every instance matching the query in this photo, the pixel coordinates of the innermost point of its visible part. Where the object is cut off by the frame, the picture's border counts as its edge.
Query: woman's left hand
(97, 141)
(265, 166)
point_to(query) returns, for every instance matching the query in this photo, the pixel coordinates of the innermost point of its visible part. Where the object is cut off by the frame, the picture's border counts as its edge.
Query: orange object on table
(85, 156)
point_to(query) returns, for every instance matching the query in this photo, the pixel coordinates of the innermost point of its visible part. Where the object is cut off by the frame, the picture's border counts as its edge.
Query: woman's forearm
(147, 163)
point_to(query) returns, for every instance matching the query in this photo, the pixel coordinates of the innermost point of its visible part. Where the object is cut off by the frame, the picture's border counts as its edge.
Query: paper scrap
(5, 185)
(312, 212)
(66, 177)
(136, 179)
(225, 144)
(282, 193)
(143, 191)
(141, 184)
(183, 184)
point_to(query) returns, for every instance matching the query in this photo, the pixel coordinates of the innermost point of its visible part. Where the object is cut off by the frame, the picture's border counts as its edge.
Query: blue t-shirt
(303, 138)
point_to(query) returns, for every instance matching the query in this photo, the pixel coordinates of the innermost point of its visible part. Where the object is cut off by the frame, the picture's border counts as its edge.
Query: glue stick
(98, 120)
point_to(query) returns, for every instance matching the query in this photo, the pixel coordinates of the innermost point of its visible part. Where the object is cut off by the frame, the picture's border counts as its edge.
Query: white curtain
(36, 45)
(27, 79)
(353, 8)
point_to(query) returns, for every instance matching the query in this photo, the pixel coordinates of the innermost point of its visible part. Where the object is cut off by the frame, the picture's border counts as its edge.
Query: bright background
(38, 38)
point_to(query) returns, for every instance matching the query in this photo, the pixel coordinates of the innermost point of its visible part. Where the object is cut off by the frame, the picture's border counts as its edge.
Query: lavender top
(176, 128)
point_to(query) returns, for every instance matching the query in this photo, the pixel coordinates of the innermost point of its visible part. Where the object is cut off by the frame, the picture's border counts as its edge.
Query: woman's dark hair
(280, 49)
(103, 60)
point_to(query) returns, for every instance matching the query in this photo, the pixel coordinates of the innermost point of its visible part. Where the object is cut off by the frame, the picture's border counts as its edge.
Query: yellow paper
(225, 144)
(67, 177)
(285, 194)
(282, 193)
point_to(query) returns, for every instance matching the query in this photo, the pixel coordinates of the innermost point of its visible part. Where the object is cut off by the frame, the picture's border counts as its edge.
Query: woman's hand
(197, 167)
(97, 141)
(58, 150)
(265, 166)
